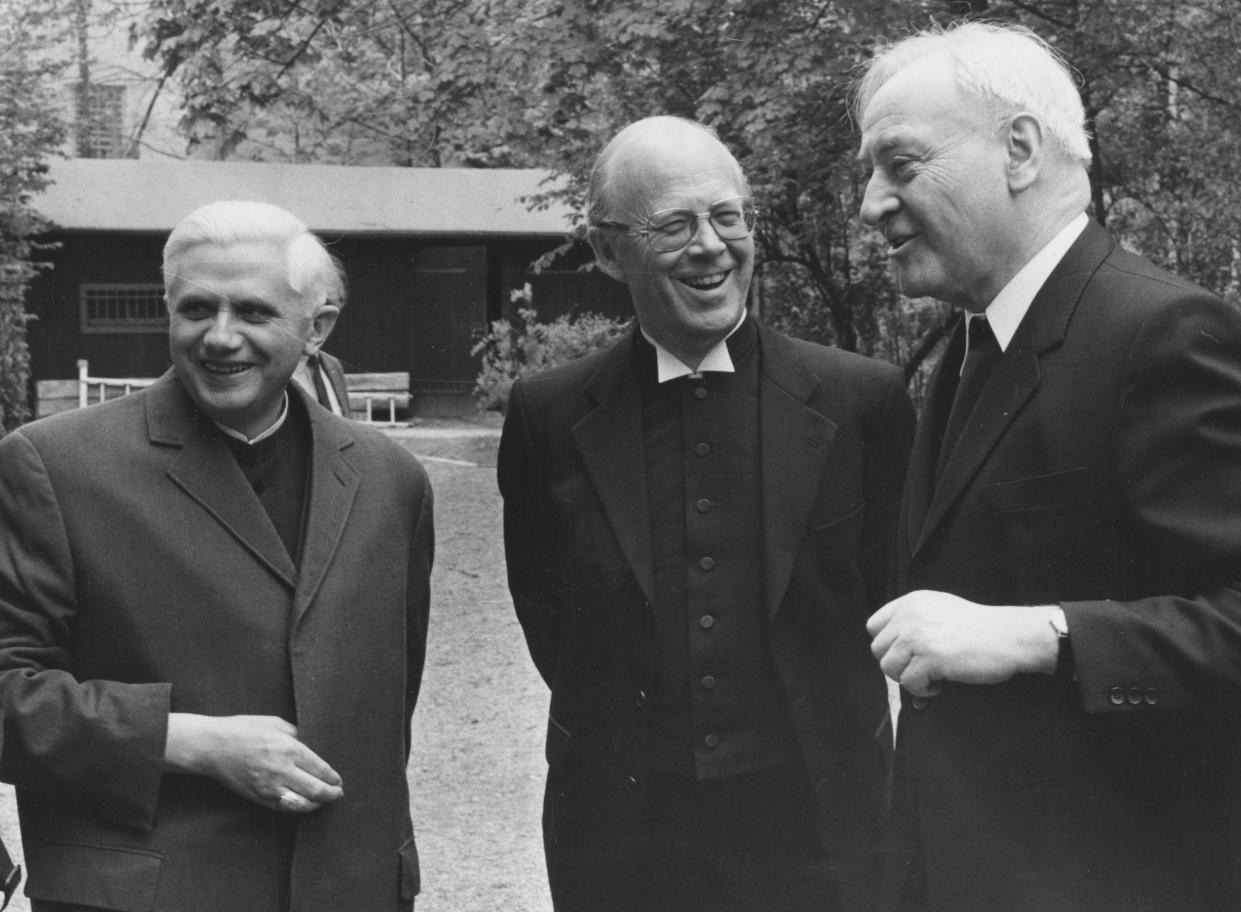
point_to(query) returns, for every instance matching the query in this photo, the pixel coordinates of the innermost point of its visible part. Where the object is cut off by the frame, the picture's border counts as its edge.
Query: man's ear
(321, 327)
(603, 242)
(1024, 143)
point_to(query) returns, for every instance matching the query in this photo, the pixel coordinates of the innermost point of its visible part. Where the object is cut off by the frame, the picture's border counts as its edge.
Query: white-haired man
(1070, 543)
(205, 681)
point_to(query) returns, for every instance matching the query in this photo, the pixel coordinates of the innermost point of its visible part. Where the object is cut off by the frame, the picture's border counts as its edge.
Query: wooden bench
(62, 395)
(387, 391)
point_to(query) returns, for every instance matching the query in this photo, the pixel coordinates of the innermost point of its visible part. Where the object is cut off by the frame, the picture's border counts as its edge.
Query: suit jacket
(1101, 469)
(335, 373)
(834, 437)
(141, 576)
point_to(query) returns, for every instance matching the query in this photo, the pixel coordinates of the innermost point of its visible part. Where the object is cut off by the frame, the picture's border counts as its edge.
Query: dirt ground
(476, 774)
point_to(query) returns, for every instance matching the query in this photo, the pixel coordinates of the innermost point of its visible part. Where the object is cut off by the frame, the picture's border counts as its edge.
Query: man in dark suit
(323, 376)
(697, 523)
(1070, 537)
(213, 611)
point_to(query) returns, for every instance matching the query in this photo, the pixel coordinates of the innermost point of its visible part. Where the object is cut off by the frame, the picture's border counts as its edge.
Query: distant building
(432, 256)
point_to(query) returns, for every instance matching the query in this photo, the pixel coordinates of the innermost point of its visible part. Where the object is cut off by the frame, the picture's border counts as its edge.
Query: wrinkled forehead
(921, 97)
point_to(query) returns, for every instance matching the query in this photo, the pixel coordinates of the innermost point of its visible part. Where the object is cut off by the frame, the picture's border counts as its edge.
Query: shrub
(510, 350)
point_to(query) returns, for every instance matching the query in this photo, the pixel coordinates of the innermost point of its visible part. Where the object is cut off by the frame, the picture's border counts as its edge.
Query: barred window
(103, 136)
(123, 309)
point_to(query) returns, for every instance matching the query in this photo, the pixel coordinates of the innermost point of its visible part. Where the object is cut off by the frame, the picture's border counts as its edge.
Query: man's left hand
(926, 637)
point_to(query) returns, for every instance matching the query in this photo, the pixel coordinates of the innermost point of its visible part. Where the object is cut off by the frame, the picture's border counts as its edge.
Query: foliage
(545, 82)
(30, 132)
(510, 352)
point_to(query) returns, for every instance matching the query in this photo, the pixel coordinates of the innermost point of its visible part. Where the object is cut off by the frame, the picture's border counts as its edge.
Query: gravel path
(476, 774)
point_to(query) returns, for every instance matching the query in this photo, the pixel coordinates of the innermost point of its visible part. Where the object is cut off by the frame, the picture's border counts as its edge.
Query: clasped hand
(925, 638)
(258, 757)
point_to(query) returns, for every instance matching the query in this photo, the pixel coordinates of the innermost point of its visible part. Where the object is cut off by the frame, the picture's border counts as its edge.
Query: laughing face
(237, 330)
(687, 299)
(938, 189)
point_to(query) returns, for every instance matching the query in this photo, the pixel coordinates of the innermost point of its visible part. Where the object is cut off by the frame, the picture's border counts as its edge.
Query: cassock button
(707, 563)
(700, 392)
(1135, 696)
(919, 703)
(703, 504)
(709, 682)
(1116, 696)
(706, 622)
(711, 741)
(1152, 696)
(703, 449)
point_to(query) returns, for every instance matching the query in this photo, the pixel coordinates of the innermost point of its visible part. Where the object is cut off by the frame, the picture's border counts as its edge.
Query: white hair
(313, 273)
(1007, 67)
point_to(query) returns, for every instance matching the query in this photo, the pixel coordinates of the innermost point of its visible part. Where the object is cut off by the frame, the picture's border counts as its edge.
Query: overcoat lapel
(207, 472)
(794, 440)
(1016, 375)
(609, 441)
(333, 487)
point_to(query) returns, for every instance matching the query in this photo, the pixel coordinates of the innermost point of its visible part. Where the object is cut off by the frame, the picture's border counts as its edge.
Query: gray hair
(599, 203)
(1007, 67)
(313, 273)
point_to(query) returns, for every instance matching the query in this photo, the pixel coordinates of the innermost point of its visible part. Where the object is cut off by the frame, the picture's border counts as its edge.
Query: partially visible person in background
(213, 612)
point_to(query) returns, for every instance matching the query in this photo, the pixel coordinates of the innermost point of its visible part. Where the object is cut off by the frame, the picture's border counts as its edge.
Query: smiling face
(237, 330)
(689, 299)
(939, 189)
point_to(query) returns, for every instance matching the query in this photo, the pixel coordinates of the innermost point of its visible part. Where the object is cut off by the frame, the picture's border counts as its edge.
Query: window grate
(123, 309)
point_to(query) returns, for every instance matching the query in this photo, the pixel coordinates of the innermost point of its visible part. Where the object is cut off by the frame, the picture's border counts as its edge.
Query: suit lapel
(333, 488)
(1016, 376)
(794, 440)
(207, 472)
(609, 441)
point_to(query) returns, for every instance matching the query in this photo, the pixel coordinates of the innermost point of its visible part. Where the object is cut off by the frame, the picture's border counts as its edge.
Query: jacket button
(640, 699)
(919, 703)
(1116, 696)
(1152, 696)
(700, 392)
(631, 784)
(703, 504)
(706, 563)
(709, 682)
(706, 622)
(702, 449)
(1135, 696)
(711, 741)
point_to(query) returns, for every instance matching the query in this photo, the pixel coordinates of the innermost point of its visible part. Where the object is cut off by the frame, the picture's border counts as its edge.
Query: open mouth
(224, 368)
(705, 283)
(896, 242)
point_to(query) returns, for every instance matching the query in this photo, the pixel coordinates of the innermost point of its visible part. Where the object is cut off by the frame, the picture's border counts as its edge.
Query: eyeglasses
(673, 229)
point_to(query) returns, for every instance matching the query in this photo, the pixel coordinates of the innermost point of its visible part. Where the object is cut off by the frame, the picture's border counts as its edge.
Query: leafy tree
(30, 132)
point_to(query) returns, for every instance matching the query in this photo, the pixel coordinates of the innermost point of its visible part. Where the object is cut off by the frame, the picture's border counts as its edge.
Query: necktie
(984, 352)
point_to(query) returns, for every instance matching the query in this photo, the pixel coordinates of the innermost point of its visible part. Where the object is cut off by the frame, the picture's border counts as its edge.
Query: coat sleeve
(887, 459)
(1178, 463)
(98, 745)
(418, 598)
(533, 577)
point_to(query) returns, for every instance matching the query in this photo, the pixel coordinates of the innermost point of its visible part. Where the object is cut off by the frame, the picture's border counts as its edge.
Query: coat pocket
(1048, 490)
(411, 872)
(109, 877)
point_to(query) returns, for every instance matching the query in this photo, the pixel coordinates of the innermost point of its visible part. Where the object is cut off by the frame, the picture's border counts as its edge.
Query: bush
(510, 351)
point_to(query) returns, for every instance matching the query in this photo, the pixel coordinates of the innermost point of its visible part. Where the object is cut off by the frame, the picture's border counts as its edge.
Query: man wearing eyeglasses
(697, 523)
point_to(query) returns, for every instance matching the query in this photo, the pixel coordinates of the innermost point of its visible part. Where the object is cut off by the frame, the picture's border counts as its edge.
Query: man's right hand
(258, 757)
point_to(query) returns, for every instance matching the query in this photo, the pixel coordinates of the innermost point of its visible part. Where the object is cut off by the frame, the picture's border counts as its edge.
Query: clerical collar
(669, 367)
(275, 426)
(1009, 307)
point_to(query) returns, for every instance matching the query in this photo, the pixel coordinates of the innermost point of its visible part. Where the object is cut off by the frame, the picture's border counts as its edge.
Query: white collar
(670, 367)
(1009, 307)
(275, 426)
